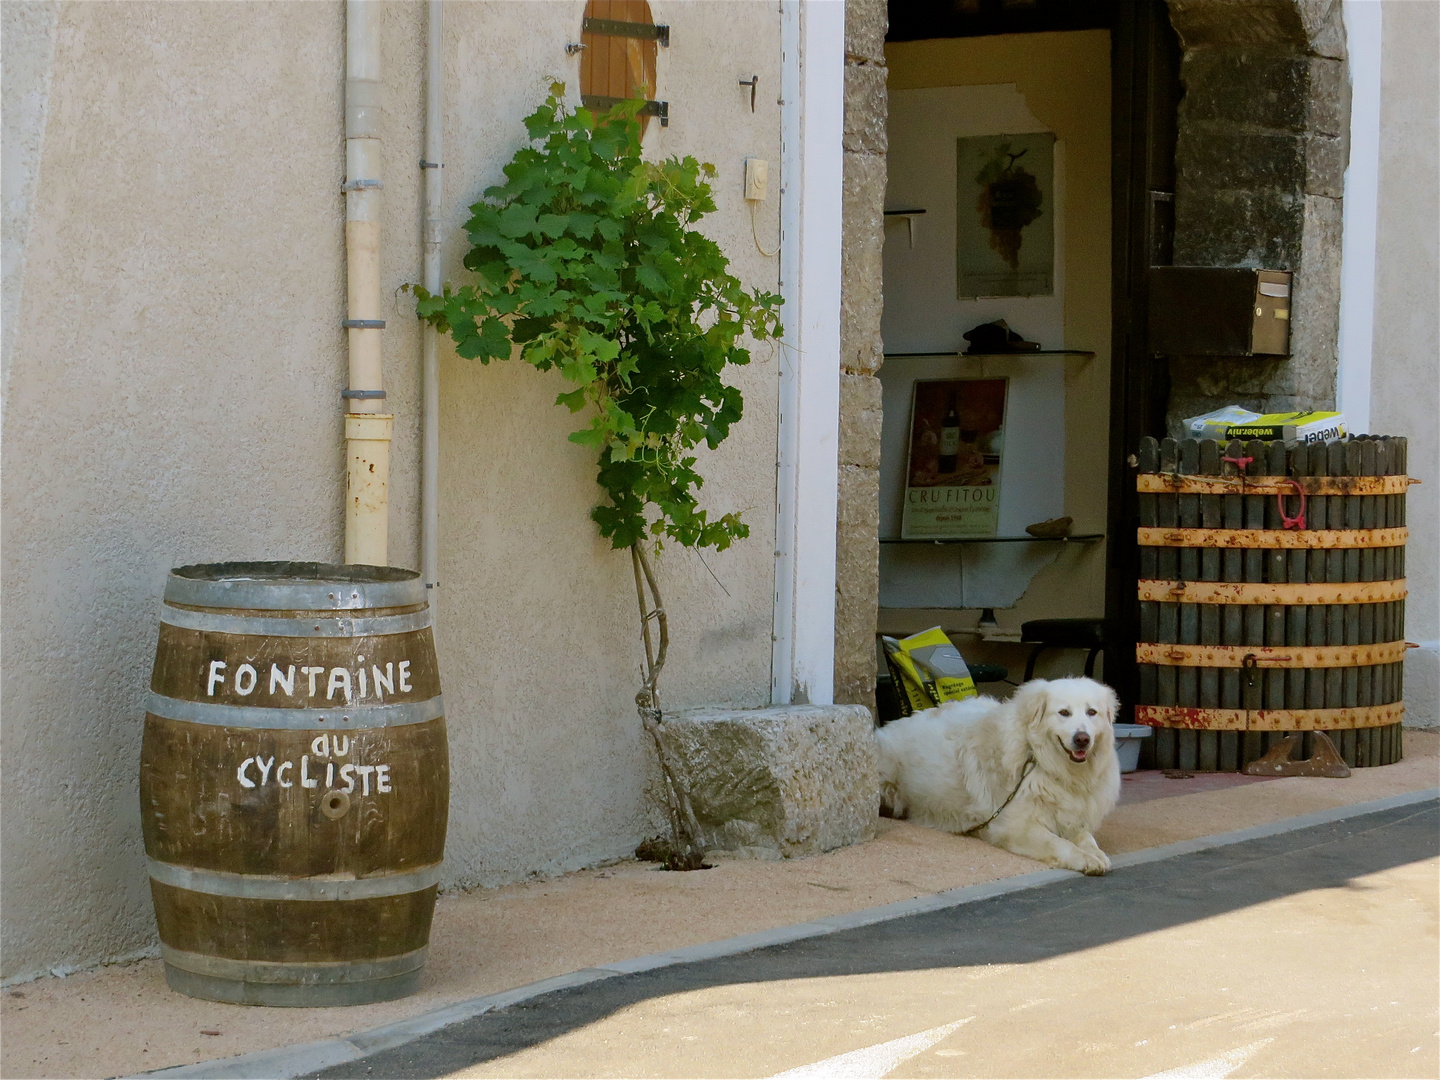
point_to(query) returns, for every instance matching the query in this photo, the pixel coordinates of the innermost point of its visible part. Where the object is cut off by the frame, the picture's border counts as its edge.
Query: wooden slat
(1352, 749)
(1384, 570)
(1252, 685)
(1187, 683)
(1231, 615)
(1211, 518)
(1167, 561)
(1271, 538)
(1148, 460)
(1398, 673)
(1297, 615)
(1277, 568)
(1287, 656)
(1266, 720)
(1176, 483)
(1221, 592)
(1369, 519)
(1315, 571)
(1335, 572)
(1395, 621)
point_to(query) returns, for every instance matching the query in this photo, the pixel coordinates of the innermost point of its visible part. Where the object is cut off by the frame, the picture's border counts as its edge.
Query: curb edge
(287, 1062)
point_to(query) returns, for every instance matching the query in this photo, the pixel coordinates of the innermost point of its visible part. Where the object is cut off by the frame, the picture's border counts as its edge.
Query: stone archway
(1260, 164)
(1260, 170)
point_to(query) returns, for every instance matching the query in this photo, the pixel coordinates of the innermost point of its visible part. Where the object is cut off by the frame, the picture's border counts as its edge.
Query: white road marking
(1216, 1068)
(872, 1062)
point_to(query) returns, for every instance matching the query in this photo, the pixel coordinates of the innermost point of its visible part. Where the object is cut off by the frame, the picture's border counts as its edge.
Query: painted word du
(257, 771)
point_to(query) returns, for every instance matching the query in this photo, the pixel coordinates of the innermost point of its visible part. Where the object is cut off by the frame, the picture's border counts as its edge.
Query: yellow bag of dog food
(927, 669)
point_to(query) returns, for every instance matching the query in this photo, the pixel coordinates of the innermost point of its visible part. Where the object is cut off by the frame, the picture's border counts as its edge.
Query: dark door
(1145, 65)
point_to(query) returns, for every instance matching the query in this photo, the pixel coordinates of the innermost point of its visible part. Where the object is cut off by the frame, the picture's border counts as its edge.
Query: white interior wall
(923, 314)
(1058, 411)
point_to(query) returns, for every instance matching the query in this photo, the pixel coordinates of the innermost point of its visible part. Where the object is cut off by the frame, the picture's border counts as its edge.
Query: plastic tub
(1127, 744)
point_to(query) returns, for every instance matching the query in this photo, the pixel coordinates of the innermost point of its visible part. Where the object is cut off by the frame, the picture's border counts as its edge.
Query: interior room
(998, 209)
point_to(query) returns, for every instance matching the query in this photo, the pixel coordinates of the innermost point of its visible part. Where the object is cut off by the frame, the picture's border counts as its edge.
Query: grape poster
(1005, 216)
(952, 479)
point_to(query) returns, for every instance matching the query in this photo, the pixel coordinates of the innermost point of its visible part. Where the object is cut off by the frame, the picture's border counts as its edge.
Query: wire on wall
(755, 232)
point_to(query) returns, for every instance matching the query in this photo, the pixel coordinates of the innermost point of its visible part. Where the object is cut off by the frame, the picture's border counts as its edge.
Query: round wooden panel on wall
(616, 65)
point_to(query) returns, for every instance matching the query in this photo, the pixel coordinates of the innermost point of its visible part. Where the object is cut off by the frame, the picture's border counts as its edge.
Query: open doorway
(1030, 181)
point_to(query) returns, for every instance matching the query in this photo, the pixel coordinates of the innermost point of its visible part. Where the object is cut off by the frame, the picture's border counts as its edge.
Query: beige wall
(173, 369)
(539, 631)
(1405, 373)
(1065, 81)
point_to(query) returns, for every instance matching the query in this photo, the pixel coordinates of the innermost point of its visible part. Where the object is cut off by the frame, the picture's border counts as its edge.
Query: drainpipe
(430, 363)
(367, 425)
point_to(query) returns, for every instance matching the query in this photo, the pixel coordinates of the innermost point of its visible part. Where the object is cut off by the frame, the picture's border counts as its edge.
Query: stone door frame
(1259, 154)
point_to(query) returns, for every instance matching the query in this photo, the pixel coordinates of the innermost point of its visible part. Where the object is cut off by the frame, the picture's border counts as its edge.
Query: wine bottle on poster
(952, 481)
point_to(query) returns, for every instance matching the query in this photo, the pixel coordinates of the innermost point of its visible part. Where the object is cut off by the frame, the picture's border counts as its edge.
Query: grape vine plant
(585, 260)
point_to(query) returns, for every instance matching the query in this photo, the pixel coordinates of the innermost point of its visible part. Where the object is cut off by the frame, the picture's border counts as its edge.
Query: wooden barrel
(294, 782)
(1272, 599)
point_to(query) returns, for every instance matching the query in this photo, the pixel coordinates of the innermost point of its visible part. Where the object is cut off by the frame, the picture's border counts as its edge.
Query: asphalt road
(1311, 953)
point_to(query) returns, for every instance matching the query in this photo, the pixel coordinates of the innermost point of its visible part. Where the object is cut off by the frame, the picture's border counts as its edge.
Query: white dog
(1034, 775)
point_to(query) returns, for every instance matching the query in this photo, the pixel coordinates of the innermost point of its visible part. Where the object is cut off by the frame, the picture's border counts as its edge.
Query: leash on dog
(1029, 764)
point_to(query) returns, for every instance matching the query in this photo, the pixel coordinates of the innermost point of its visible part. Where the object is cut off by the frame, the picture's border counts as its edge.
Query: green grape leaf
(586, 259)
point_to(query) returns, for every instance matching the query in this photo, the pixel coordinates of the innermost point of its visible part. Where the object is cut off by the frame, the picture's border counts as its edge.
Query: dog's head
(1069, 717)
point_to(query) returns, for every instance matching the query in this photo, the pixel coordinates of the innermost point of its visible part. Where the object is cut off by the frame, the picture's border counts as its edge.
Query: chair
(1063, 634)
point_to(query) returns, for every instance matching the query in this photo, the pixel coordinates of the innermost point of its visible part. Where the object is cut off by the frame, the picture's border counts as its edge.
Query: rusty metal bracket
(1325, 761)
(1251, 660)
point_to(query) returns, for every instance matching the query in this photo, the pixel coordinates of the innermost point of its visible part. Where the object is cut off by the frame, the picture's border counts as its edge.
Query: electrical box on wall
(1219, 311)
(757, 177)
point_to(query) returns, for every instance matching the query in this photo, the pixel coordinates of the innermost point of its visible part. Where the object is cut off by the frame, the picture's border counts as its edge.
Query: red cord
(1240, 463)
(1298, 521)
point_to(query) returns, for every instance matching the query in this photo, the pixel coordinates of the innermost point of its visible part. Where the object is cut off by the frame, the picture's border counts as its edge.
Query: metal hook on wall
(754, 84)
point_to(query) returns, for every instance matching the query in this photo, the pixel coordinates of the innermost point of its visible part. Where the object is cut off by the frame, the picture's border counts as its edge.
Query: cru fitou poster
(952, 478)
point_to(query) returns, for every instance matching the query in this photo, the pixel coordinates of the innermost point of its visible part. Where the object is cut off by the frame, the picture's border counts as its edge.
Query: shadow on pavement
(1016, 928)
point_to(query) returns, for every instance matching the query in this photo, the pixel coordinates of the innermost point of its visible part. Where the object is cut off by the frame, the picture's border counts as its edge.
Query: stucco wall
(1405, 376)
(539, 635)
(1064, 79)
(174, 366)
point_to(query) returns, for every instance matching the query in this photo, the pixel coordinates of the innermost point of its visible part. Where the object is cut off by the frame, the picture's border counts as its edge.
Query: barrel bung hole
(335, 805)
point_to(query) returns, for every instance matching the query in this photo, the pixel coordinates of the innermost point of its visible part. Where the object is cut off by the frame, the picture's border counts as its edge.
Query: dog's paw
(1096, 862)
(1082, 858)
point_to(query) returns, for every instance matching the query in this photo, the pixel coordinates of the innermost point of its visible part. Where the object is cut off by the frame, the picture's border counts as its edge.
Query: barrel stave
(184, 659)
(293, 931)
(197, 814)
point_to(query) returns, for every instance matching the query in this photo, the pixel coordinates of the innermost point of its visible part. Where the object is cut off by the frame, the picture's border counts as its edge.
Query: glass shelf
(990, 356)
(1080, 538)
